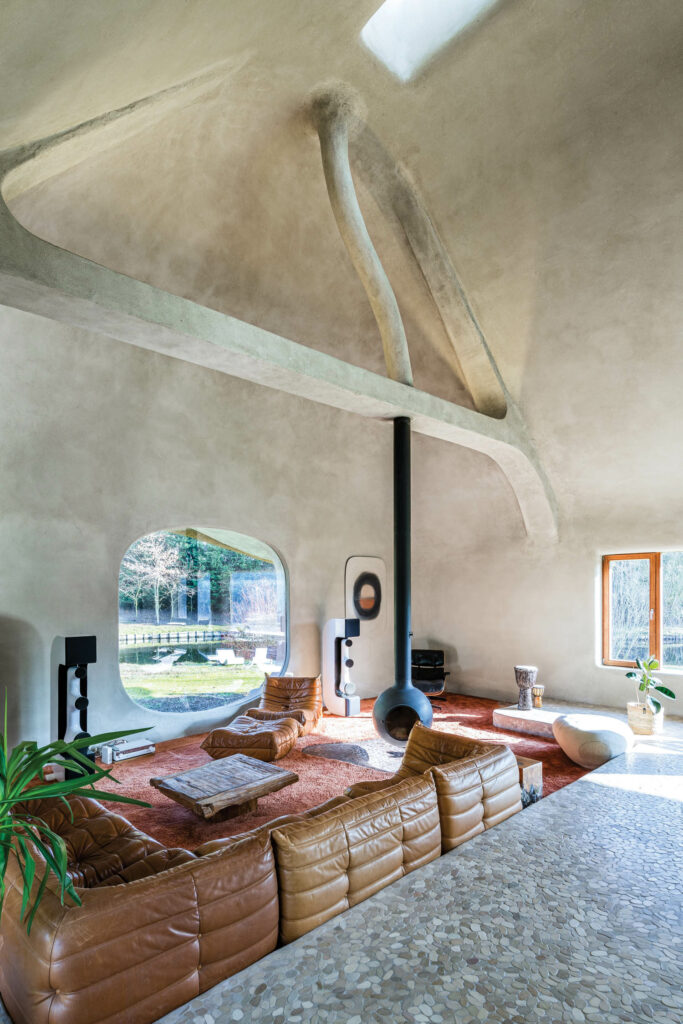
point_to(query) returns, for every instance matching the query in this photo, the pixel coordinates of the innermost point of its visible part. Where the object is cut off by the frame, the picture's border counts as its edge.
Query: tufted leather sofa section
(476, 793)
(477, 784)
(100, 845)
(350, 852)
(283, 695)
(158, 926)
(428, 747)
(133, 952)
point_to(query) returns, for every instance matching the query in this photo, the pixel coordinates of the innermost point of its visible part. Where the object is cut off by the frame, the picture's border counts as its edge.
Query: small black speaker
(72, 717)
(80, 650)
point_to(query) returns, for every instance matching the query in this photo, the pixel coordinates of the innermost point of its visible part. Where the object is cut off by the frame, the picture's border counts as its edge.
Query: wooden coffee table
(224, 789)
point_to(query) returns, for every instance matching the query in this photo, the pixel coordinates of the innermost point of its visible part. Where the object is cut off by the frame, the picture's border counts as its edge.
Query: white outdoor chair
(261, 659)
(227, 656)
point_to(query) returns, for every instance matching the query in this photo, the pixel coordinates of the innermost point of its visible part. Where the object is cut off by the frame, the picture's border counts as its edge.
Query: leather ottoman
(266, 741)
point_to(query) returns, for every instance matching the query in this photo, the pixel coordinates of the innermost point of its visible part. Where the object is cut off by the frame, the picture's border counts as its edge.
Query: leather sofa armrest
(374, 786)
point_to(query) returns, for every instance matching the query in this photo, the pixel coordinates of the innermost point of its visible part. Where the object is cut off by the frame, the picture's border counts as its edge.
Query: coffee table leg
(234, 812)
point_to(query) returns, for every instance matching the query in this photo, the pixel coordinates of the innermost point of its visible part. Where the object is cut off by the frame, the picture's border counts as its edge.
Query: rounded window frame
(281, 569)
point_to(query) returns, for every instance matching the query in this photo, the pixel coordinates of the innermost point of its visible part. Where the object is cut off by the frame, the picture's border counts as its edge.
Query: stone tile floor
(570, 911)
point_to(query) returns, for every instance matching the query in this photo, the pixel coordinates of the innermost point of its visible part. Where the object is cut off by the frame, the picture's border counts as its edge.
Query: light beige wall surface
(493, 600)
(101, 443)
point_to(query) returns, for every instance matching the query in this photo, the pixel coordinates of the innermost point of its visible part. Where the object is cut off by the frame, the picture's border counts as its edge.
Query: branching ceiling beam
(331, 116)
(41, 278)
(399, 199)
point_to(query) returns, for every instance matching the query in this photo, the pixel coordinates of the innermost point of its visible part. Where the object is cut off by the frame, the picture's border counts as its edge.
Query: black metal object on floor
(397, 709)
(428, 673)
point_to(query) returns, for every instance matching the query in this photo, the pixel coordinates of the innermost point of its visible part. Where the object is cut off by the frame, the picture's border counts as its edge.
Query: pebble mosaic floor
(552, 916)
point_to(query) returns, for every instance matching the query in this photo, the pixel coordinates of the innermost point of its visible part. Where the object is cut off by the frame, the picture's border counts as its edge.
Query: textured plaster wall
(101, 442)
(492, 599)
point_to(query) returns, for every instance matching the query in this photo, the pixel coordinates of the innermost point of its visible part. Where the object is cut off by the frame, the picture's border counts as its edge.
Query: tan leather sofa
(291, 706)
(477, 784)
(134, 951)
(339, 858)
(157, 927)
(299, 697)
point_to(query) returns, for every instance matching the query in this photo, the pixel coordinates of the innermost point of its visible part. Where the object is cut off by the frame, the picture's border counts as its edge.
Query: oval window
(202, 617)
(367, 595)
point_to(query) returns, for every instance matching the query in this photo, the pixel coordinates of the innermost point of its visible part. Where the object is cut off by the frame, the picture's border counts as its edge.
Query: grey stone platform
(552, 916)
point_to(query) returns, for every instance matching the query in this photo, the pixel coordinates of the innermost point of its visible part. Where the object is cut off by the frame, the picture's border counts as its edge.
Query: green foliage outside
(155, 567)
(630, 608)
(173, 585)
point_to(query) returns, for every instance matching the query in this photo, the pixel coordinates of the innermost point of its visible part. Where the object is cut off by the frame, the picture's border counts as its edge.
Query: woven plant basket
(643, 720)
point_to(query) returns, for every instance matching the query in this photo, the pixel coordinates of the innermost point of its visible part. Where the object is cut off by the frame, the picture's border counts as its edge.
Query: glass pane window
(629, 603)
(672, 608)
(202, 617)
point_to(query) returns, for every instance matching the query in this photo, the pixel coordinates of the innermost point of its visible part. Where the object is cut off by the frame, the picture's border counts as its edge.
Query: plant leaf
(39, 896)
(665, 692)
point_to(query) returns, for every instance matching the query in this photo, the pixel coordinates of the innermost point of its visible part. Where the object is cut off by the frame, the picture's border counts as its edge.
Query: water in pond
(181, 677)
(177, 653)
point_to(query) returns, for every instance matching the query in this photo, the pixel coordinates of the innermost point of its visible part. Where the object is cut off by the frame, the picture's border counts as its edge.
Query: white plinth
(539, 722)
(536, 721)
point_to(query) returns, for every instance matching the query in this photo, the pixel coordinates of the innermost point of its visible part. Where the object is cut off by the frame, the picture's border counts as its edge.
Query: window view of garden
(630, 608)
(202, 618)
(631, 622)
(672, 608)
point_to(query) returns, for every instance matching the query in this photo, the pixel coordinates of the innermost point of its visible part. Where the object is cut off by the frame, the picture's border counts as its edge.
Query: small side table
(530, 779)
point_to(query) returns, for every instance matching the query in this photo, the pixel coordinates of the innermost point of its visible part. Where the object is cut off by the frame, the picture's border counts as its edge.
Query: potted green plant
(27, 836)
(645, 714)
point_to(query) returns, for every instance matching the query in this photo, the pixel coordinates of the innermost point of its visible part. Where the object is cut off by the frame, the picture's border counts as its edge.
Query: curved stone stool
(590, 740)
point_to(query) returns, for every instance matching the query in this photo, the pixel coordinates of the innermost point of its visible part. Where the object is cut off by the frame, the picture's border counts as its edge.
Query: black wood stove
(397, 709)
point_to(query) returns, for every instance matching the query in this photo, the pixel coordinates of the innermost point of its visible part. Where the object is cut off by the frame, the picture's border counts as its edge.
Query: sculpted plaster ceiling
(545, 142)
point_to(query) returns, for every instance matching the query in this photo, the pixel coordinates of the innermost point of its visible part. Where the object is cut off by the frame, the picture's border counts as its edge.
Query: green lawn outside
(186, 680)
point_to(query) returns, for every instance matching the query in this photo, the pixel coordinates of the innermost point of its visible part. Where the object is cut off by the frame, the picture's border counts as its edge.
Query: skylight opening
(405, 34)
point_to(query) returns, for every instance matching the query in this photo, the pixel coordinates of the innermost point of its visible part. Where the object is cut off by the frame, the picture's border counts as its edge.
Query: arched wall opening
(203, 615)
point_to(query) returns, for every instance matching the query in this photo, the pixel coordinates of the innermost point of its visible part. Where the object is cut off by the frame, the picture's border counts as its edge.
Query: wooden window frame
(655, 560)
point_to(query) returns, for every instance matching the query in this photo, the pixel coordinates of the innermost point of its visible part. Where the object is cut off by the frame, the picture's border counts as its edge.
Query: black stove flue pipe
(397, 709)
(402, 551)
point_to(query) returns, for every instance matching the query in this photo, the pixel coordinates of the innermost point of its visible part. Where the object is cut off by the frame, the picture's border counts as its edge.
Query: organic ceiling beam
(400, 200)
(40, 278)
(331, 115)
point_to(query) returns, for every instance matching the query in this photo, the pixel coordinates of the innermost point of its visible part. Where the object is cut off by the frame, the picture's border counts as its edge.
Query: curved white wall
(101, 443)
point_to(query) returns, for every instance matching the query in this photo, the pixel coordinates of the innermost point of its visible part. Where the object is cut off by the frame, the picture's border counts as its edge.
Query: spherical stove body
(396, 711)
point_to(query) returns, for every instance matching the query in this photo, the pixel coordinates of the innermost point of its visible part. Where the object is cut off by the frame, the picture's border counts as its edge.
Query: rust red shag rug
(319, 779)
